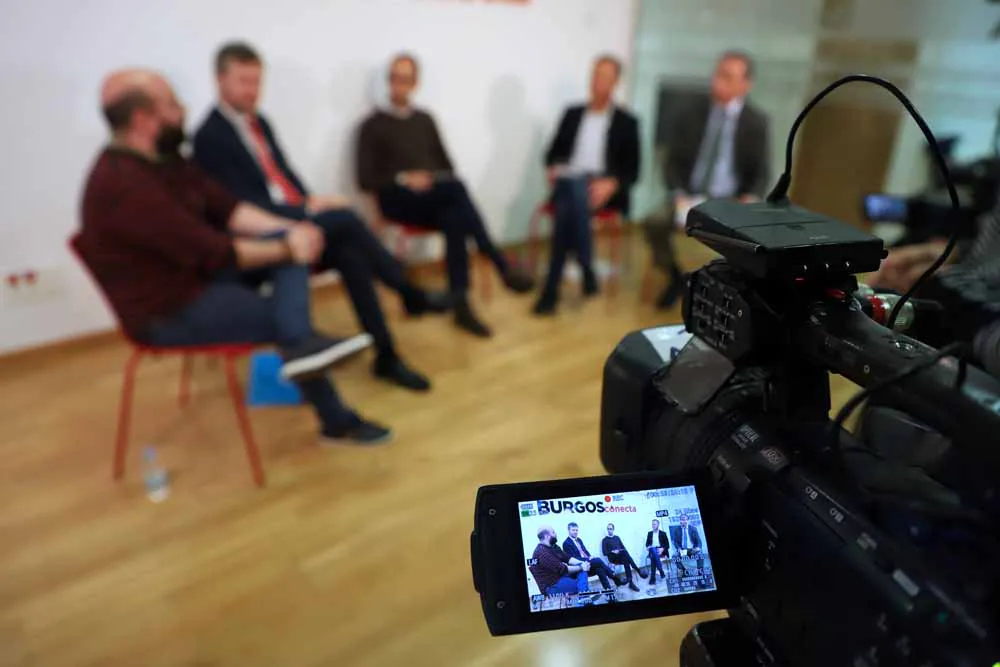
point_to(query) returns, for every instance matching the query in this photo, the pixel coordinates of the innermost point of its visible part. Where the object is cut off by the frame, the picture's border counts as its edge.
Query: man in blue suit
(236, 146)
(573, 545)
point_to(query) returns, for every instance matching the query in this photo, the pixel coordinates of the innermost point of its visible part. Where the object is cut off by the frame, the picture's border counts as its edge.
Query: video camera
(826, 550)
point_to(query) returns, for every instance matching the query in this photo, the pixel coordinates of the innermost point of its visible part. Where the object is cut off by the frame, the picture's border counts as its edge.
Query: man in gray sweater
(403, 163)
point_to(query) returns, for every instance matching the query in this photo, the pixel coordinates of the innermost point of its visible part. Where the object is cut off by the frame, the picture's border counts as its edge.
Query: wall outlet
(25, 286)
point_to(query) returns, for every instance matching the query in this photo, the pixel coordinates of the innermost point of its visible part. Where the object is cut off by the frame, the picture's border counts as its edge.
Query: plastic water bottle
(155, 477)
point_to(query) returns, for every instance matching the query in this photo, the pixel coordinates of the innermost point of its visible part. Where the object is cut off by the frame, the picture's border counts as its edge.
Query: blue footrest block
(265, 384)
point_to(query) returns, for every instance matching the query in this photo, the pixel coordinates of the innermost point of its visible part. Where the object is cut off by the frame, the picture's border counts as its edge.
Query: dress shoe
(466, 319)
(518, 281)
(393, 370)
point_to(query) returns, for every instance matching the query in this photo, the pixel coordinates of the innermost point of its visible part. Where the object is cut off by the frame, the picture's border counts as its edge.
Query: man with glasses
(403, 163)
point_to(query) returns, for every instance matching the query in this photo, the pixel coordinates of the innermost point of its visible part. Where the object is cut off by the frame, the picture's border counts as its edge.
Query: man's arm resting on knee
(255, 253)
(254, 221)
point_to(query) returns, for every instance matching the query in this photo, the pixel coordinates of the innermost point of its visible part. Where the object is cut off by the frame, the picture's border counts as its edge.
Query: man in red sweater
(167, 245)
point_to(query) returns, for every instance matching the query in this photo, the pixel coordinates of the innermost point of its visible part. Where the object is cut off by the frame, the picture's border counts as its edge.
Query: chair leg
(125, 413)
(243, 419)
(615, 241)
(627, 249)
(184, 394)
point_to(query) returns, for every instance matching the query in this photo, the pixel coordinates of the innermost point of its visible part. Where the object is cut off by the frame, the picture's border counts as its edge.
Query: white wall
(496, 76)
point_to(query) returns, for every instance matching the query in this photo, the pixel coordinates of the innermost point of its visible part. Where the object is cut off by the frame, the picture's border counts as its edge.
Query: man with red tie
(237, 146)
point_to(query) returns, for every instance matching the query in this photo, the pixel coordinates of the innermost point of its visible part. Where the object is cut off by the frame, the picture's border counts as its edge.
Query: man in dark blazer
(657, 546)
(236, 146)
(574, 546)
(718, 147)
(687, 544)
(593, 162)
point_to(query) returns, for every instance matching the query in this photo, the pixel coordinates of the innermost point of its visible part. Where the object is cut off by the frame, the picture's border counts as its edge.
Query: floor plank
(349, 556)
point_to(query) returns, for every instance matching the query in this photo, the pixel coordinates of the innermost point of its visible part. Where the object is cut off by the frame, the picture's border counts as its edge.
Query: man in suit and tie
(718, 147)
(402, 162)
(615, 552)
(657, 546)
(574, 546)
(687, 543)
(237, 146)
(593, 162)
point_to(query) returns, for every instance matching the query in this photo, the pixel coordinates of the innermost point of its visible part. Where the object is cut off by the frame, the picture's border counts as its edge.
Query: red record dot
(607, 499)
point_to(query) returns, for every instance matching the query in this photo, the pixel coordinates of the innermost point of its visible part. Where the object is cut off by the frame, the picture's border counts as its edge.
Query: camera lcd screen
(654, 535)
(885, 208)
(694, 376)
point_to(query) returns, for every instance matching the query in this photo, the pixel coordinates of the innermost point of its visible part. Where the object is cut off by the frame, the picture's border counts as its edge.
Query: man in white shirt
(236, 146)
(592, 164)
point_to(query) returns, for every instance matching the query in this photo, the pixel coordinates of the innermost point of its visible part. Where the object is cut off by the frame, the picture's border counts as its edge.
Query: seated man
(615, 552)
(687, 543)
(555, 571)
(592, 163)
(403, 163)
(237, 147)
(657, 546)
(575, 548)
(165, 243)
(718, 147)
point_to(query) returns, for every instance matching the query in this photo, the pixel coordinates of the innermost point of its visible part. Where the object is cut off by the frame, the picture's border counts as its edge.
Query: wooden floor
(349, 557)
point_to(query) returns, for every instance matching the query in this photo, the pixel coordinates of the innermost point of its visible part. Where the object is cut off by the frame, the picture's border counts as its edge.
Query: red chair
(228, 353)
(604, 223)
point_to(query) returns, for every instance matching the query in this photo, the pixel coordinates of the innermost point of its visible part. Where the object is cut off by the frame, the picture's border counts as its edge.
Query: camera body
(837, 564)
(827, 550)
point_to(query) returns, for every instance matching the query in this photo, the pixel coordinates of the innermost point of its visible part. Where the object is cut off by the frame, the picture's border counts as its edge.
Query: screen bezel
(515, 615)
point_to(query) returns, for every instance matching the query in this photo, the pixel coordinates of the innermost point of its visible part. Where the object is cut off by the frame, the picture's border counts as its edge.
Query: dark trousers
(229, 311)
(354, 252)
(571, 231)
(448, 208)
(659, 231)
(604, 574)
(624, 559)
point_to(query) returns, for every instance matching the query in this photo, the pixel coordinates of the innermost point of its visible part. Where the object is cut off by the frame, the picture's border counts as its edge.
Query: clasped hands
(600, 190)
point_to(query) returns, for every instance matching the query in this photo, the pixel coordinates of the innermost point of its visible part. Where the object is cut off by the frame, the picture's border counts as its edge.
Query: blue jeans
(230, 312)
(654, 559)
(571, 228)
(570, 583)
(448, 208)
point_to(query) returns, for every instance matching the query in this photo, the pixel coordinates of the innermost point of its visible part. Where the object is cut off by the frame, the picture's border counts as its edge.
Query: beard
(552, 541)
(169, 140)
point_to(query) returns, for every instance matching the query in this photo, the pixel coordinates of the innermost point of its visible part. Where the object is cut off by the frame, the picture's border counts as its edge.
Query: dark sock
(589, 282)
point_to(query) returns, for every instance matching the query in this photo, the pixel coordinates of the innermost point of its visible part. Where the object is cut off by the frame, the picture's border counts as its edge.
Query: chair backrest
(76, 250)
